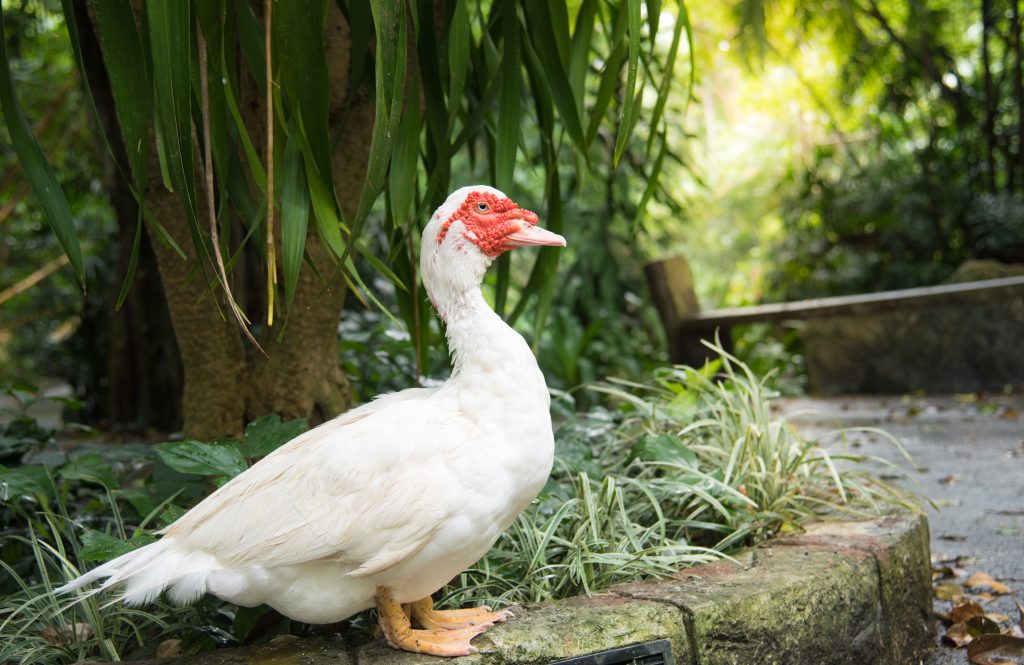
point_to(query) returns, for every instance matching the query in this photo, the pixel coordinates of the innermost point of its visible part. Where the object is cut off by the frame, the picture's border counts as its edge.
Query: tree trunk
(138, 379)
(226, 380)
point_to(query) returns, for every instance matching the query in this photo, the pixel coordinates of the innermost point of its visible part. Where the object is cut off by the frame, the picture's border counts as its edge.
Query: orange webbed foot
(424, 614)
(393, 622)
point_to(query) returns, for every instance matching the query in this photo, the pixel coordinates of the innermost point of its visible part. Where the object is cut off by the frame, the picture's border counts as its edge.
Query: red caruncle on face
(488, 219)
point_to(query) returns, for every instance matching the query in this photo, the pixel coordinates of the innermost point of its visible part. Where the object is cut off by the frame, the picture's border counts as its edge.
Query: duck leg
(400, 634)
(423, 613)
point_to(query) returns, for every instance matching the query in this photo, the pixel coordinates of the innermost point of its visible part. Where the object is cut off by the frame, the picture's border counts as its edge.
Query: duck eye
(482, 207)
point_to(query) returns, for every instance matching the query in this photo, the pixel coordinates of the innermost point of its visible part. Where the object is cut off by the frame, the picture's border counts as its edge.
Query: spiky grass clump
(691, 466)
(38, 627)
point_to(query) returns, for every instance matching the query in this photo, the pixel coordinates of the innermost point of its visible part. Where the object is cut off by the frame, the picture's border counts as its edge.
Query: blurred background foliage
(834, 147)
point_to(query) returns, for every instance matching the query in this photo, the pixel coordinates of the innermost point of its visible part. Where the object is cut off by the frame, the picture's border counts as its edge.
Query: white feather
(406, 491)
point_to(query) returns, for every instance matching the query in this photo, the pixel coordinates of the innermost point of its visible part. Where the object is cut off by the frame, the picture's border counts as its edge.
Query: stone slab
(839, 592)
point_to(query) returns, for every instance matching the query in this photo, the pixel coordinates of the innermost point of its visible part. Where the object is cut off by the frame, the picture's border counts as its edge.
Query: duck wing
(367, 490)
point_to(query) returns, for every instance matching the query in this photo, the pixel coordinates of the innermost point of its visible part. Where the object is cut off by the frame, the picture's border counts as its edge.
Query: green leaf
(170, 39)
(402, 175)
(458, 59)
(250, 37)
(298, 34)
(206, 459)
(265, 435)
(665, 89)
(133, 262)
(90, 468)
(391, 30)
(579, 60)
(25, 481)
(294, 215)
(37, 170)
(259, 174)
(543, 38)
(631, 96)
(605, 90)
(663, 448)
(507, 139)
(99, 546)
(130, 84)
(360, 21)
(653, 178)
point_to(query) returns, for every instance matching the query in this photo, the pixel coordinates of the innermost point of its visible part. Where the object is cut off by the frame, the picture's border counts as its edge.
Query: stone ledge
(840, 592)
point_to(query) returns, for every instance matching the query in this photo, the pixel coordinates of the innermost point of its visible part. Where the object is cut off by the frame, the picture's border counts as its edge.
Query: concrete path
(969, 451)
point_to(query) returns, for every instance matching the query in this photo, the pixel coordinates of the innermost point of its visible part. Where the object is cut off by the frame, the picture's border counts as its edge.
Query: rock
(948, 348)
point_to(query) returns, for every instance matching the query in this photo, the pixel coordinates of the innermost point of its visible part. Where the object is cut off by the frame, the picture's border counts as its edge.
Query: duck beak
(530, 234)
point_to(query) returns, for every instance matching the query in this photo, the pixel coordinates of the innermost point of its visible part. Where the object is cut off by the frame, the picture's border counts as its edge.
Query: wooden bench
(686, 324)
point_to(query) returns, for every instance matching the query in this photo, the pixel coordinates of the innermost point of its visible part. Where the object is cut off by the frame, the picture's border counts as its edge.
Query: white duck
(385, 504)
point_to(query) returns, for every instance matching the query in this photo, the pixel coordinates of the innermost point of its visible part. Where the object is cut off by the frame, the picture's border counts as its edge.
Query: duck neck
(474, 332)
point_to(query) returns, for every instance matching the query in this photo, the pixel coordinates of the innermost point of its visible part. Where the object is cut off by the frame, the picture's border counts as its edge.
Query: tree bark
(228, 382)
(139, 381)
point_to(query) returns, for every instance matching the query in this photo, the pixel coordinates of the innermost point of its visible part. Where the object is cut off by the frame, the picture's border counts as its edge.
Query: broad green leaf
(24, 481)
(99, 546)
(265, 435)
(37, 170)
(90, 468)
(294, 215)
(663, 448)
(206, 459)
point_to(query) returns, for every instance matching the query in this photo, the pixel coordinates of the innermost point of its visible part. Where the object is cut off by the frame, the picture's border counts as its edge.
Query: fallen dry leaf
(965, 611)
(67, 634)
(947, 590)
(1010, 413)
(978, 580)
(169, 649)
(949, 480)
(998, 617)
(995, 649)
(957, 636)
(982, 625)
(985, 596)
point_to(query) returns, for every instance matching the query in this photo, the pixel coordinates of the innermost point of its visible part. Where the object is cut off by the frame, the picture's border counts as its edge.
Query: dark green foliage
(936, 174)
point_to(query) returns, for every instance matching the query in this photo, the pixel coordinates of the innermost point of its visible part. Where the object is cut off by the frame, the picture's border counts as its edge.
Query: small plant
(681, 470)
(686, 469)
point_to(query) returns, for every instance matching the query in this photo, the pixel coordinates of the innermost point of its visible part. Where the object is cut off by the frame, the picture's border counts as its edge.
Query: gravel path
(969, 453)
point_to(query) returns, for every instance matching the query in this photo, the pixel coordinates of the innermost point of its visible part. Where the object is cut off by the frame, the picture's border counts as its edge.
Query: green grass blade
(294, 215)
(458, 59)
(545, 43)
(626, 118)
(38, 171)
(302, 72)
(170, 38)
(507, 139)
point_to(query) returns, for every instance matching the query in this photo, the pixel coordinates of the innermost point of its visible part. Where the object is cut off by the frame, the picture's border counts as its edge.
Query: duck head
(474, 226)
